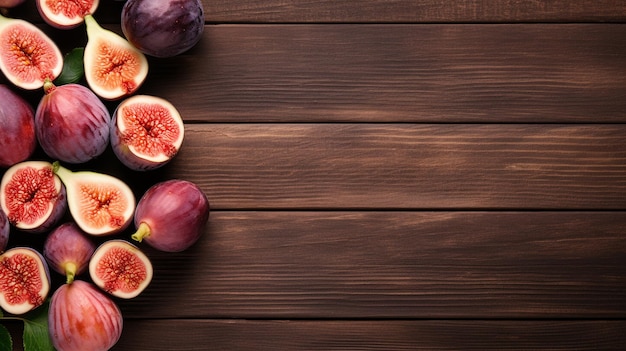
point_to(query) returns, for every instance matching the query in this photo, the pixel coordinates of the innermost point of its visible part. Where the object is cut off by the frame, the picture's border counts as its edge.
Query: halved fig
(113, 67)
(32, 196)
(99, 203)
(82, 318)
(146, 132)
(66, 14)
(120, 268)
(27, 55)
(24, 280)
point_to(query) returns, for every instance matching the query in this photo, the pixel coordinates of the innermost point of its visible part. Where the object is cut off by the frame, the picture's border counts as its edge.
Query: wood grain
(400, 73)
(383, 11)
(405, 166)
(372, 335)
(389, 265)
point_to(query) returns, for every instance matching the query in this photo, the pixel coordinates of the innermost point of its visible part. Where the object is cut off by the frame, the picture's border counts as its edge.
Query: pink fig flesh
(24, 280)
(32, 196)
(81, 318)
(171, 215)
(120, 268)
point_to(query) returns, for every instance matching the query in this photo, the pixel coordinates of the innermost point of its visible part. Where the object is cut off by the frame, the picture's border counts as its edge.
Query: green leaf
(6, 343)
(73, 68)
(36, 336)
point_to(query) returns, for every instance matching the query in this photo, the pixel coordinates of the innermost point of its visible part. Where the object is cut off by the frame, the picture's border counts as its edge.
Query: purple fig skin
(68, 250)
(82, 318)
(17, 128)
(163, 28)
(72, 123)
(5, 229)
(171, 215)
(10, 3)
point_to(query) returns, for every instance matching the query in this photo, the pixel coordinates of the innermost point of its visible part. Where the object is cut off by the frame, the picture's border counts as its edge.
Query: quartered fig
(113, 67)
(5, 230)
(171, 215)
(82, 318)
(120, 268)
(66, 14)
(146, 132)
(163, 28)
(72, 123)
(32, 196)
(67, 250)
(17, 128)
(27, 55)
(99, 203)
(24, 280)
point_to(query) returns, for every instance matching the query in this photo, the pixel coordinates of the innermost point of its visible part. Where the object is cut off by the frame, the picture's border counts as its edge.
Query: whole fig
(81, 318)
(163, 28)
(72, 123)
(68, 250)
(171, 215)
(17, 128)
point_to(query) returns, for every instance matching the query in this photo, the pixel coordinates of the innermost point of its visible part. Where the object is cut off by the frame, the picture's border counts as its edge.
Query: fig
(67, 250)
(32, 196)
(17, 128)
(120, 268)
(27, 55)
(113, 67)
(82, 318)
(72, 123)
(66, 14)
(24, 280)
(99, 203)
(146, 132)
(163, 28)
(171, 215)
(10, 3)
(5, 229)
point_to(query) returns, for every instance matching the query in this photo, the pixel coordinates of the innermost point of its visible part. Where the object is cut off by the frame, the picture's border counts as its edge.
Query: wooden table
(394, 175)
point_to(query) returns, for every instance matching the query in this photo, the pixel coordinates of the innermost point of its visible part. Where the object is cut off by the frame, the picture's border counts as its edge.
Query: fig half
(113, 67)
(24, 280)
(32, 196)
(146, 132)
(66, 14)
(27, 55)
(120, 268)
(99, 203)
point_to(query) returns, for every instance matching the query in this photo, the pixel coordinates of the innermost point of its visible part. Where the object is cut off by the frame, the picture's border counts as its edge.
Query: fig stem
(48, 86)
(142, 232)
(70, 272)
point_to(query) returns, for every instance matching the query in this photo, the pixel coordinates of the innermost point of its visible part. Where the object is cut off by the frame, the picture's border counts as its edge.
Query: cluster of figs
(73, 126)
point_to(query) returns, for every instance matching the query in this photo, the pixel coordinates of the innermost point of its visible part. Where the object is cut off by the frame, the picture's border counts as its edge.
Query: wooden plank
(197, 335)
(400, 73)
(394, 73)
(386, 265)
(402, 166)
(372, 335)
(366, 11)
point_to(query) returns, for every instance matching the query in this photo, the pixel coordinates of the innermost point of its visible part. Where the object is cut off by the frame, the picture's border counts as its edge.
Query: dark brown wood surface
(393, 175)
